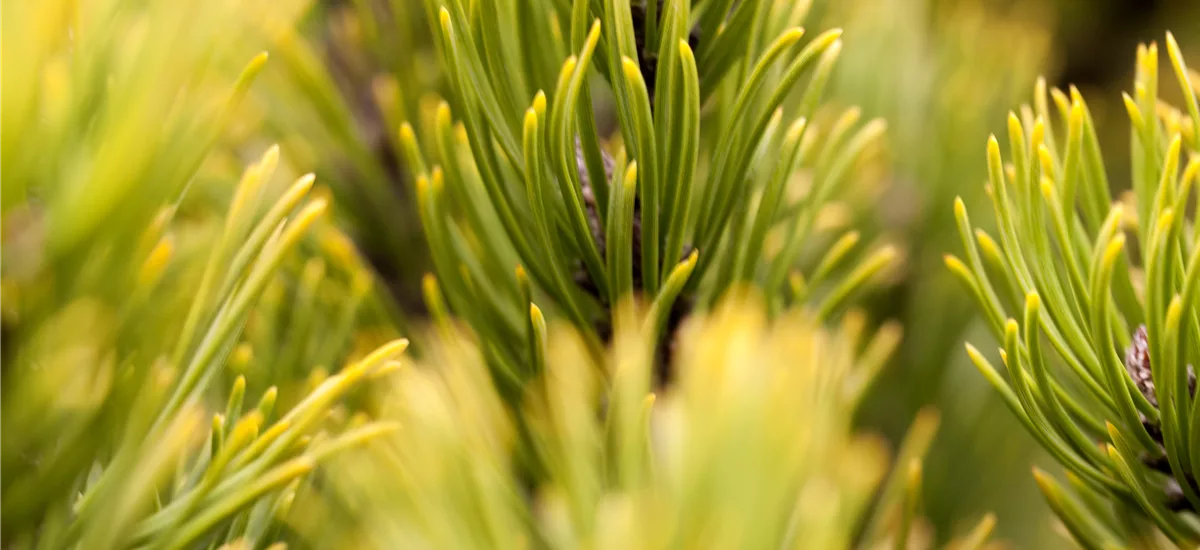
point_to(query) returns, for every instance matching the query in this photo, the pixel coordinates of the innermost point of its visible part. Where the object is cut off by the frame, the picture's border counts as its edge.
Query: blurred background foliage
(944, 74)
(175, 298)
(342, 77)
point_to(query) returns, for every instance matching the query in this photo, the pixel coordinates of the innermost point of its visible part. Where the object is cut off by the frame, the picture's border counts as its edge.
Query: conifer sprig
(1099, 335)
(714, 180)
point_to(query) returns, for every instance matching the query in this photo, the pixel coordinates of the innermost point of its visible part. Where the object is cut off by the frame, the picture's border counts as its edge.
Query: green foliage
(759, 420)
(1061, 261)
(716, 154)
(126, 292)
(196, 355)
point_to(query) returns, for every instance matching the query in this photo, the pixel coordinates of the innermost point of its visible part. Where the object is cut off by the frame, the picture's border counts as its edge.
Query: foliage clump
(135, 408)
(525, 200)
(1100, 353)
(758, 420)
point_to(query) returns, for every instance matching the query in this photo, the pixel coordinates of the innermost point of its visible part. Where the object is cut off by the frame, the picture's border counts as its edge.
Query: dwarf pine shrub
(1094, 301)
(641, 332)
